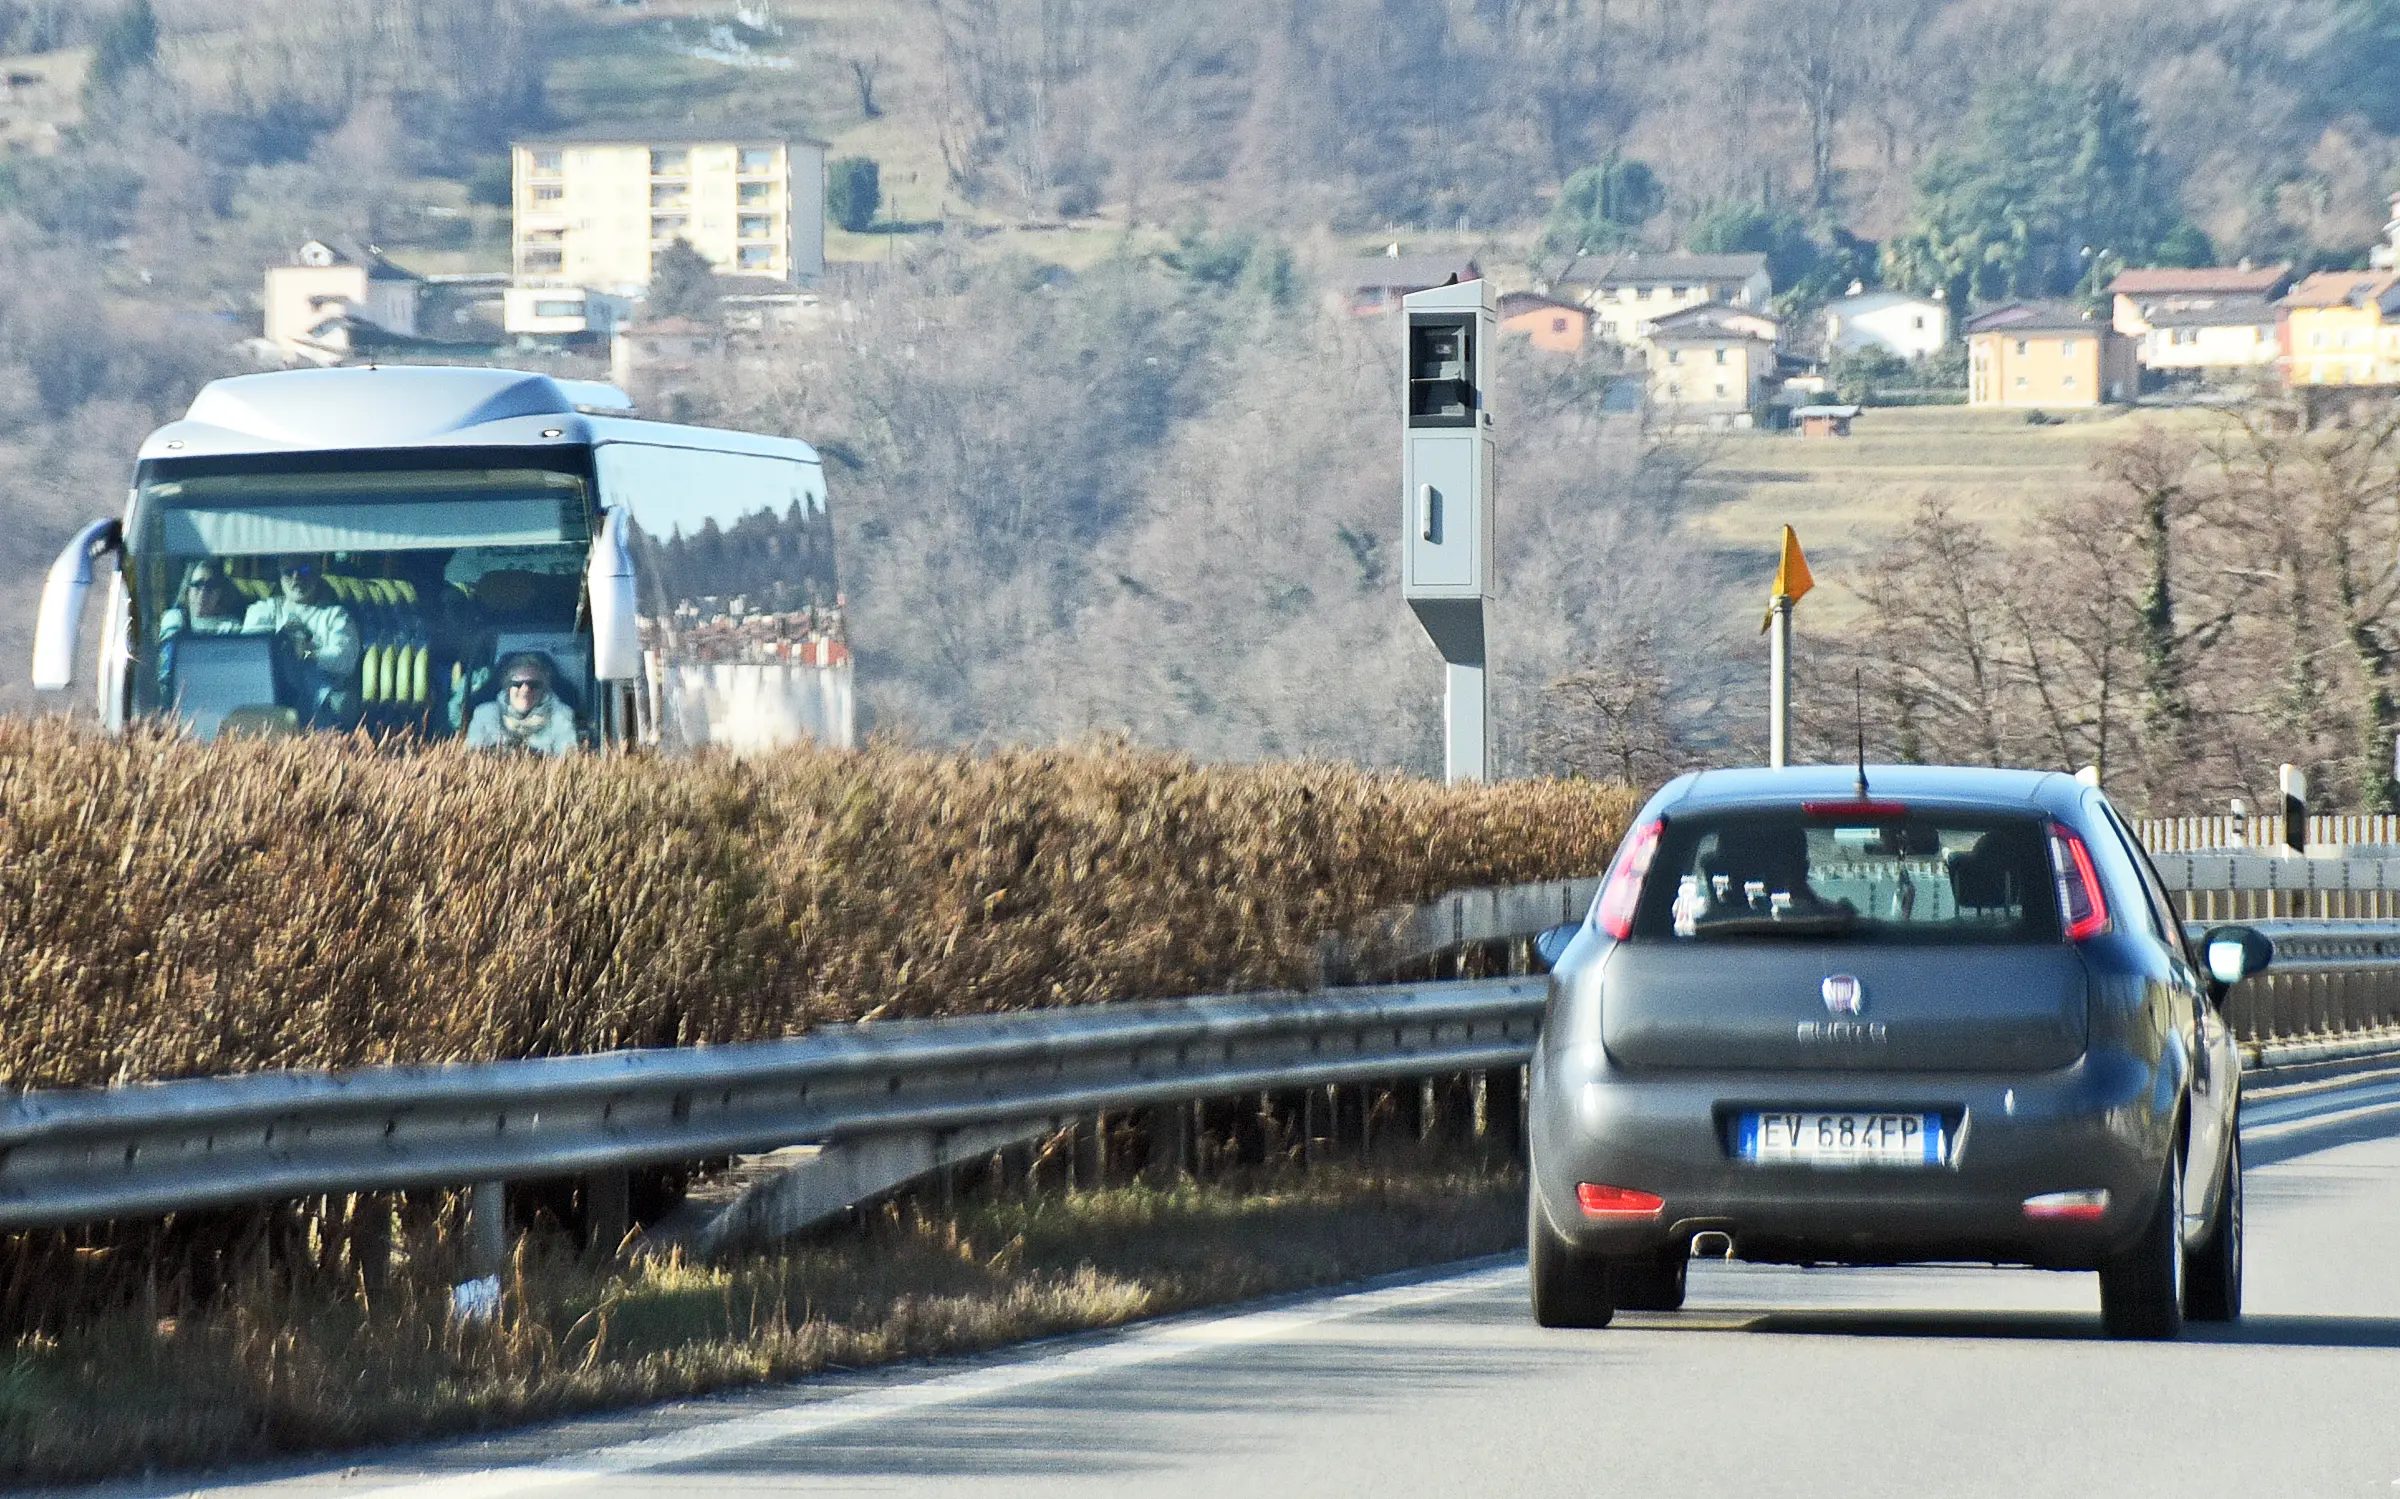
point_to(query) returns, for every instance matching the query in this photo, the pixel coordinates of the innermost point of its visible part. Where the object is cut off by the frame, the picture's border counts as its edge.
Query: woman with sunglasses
(527, 714)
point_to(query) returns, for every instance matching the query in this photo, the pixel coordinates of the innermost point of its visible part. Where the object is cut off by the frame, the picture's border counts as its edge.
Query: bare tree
(1812, 51)
(1608, 720)
(863, 72)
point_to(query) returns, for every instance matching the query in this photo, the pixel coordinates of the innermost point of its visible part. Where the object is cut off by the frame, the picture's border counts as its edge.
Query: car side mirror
(1552, 942)
(2234, 953)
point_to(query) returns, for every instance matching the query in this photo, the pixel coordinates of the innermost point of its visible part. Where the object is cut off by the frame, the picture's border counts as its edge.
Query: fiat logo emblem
(1843, 994)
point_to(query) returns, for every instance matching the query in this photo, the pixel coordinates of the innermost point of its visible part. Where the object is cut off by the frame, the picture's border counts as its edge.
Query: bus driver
(318, 638)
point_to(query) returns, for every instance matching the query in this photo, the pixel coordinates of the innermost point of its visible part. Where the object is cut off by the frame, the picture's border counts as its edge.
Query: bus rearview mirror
(63, 592)
(616, 636)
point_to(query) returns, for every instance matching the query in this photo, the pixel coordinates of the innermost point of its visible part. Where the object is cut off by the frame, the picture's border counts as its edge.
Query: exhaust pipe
(1712, 1244)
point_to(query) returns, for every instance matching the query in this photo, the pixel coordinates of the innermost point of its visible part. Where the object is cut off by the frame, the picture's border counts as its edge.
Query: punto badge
(1843, 994)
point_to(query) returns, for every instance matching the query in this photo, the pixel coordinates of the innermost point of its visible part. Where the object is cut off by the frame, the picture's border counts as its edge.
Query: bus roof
(402, 406)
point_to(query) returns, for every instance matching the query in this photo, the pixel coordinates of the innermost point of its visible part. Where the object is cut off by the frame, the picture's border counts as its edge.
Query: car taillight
(1624, 888)
(2082, 904)
(1598, 1201)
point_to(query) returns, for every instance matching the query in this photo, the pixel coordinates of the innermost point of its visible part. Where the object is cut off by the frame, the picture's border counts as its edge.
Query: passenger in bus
(319, 644)
(206, 605)
(527, 715)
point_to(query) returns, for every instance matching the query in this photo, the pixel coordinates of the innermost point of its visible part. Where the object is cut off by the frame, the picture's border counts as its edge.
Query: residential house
(651, 359)
(313, 304)
(2136, 295)
(2232, 338)
(564, 313)
(2046, 354)
(761, 304)
(1626, 291)
(1896, 322)
(1374, 284)
(2197, 319)
(1712, 360)
(1546, 322)
(2342, 328)
(591, 211)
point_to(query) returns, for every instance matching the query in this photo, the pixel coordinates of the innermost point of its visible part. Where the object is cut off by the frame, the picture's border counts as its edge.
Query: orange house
(2047, 354)
(1560, 327)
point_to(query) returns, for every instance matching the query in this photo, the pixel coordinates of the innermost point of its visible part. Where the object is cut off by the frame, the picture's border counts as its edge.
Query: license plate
(1824, 1139)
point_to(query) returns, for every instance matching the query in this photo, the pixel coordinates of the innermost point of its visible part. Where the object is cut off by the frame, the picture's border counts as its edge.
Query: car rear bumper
(2104, 1122)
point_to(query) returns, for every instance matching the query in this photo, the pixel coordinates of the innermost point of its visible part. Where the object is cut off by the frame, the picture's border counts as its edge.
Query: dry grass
(1849, 497)
(277, 1367)
(172, 910)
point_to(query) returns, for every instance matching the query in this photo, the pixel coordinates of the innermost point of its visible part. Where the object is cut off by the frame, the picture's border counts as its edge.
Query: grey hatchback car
(1885, 1016)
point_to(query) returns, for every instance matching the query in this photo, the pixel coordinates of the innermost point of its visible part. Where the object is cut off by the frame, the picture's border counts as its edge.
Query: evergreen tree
(2050, 174)
(853, 192)
(1601, 206)
(1777, 233)
(683, 283)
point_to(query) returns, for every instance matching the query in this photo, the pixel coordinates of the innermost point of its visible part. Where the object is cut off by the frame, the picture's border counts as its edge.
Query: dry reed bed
(173, 910)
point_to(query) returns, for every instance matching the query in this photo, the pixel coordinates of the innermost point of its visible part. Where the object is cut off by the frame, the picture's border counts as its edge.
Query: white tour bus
(379, 548)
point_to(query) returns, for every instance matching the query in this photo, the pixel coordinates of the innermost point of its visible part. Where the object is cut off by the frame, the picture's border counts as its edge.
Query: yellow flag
(1792, 577)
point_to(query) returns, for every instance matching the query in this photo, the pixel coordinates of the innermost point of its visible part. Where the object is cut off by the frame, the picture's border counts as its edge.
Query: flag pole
(1792, 580)
(1779, 683)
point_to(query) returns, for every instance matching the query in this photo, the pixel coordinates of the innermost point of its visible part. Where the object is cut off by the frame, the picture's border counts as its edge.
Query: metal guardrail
(1500, 913)
(81, 1155)
(2329, 979)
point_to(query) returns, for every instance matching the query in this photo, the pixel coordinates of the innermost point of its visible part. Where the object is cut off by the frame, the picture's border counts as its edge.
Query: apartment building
(590, 213)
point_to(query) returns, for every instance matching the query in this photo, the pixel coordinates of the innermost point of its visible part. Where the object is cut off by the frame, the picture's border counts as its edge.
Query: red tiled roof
(2166, 280)
(2340, 288)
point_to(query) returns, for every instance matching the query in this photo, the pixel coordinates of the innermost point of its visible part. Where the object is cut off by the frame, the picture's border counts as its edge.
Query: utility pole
(1446, 510)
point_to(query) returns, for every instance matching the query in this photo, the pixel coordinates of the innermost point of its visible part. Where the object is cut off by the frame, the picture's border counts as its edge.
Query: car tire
(1570, 1287)
(2141, 1289)
(1649, 1282)
(2212, 1287)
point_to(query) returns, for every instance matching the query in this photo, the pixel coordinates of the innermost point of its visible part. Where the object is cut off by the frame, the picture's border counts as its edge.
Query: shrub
(853, 192)
(169, 909)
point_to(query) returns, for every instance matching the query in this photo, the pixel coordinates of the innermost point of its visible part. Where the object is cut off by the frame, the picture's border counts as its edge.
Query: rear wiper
(1830, 924)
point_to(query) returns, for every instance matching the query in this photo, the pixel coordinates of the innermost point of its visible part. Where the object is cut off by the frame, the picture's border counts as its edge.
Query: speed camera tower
(1446, 501)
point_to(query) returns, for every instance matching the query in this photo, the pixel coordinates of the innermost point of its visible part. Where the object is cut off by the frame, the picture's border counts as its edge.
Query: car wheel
(2141, 1290)
(2212, 1290)
(1570, 1288)
(1649, 1282)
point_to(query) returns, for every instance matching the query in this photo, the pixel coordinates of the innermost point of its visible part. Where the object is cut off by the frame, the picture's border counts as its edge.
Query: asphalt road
(1772, 1381)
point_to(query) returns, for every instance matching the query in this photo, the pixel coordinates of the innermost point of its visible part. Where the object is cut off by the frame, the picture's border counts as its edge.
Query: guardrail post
(487, 1229)
(1504, 1107)
(607, 1211)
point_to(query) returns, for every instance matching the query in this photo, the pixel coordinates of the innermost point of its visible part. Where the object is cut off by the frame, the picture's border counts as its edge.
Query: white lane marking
(1131, 1349)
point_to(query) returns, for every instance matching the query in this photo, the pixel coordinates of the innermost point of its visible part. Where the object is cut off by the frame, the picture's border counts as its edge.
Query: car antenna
(1858, 713)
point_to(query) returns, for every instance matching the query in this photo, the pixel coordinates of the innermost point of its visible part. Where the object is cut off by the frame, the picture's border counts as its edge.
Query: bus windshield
(341, 595)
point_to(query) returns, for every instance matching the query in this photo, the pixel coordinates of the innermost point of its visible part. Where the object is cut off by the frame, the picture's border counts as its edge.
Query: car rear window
(1931, 877)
